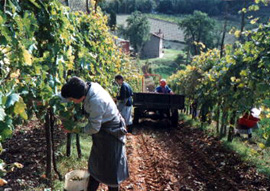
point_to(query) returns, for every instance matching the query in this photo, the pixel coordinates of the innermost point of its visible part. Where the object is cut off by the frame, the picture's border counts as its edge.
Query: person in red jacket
(247, 122)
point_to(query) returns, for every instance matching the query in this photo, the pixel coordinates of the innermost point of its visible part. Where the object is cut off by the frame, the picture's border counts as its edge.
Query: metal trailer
(152, 105)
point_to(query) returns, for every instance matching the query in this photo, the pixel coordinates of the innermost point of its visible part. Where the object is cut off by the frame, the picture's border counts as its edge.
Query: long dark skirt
(108, 161)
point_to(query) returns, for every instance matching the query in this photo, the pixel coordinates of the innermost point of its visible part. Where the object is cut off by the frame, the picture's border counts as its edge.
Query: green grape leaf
(35, 3)
(2, 114)
(69, 124)
(19, 109)
(6, 133)
(267, 102)
(267, 143)
(27, 57)
(5, 130)
(12, 98)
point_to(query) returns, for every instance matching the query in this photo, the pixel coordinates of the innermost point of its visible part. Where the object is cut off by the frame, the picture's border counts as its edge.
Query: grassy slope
(252, 153)
(168, 18)
(166, 65)
(219, 23)
(177, 18)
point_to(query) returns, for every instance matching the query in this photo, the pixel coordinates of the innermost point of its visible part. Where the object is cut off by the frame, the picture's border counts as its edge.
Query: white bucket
(76, 185)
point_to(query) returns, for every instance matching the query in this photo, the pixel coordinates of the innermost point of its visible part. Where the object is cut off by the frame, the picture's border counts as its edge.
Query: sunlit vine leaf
(2, 114)
(19, 109)
(11, 99)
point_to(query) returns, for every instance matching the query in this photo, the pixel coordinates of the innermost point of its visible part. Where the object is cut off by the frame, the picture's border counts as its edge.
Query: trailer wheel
(136, 116)
(174, 117)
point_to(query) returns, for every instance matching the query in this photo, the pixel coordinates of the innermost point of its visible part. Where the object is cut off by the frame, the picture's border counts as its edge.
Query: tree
(198, 27)
(87, 6)
(112, 20)
(165, 6)
(146, 6)
(138, 29)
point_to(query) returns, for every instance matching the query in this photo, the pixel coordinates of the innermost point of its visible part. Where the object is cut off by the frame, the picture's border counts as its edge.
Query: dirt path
(185, 159)
(160, 159)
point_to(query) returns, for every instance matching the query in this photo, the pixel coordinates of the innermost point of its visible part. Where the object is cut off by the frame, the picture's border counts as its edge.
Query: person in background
(247, 122)
(124, 101)
(163, 87)
(107, 162)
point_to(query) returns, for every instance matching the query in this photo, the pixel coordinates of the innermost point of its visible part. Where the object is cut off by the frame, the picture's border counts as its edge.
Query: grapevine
(42, 44)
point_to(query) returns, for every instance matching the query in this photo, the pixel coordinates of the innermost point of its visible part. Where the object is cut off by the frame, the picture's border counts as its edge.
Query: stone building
(123, 44)
(154, 47)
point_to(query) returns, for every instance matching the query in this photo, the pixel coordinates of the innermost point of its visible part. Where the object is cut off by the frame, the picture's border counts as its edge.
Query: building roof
(158, 34)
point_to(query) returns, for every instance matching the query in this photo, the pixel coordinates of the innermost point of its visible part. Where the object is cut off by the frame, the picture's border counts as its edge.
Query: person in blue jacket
(163, 87)
(124, 100)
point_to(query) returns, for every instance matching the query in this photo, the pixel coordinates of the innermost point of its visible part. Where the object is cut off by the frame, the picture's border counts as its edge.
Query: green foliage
(129, 6)
(42, 44)
(198, 28)
(211, 7)
(12, 99)
(2, 114)
(235, 83)
(37, 61)
(138, 29)
(165, 6)
(164, 17)
(112, 20)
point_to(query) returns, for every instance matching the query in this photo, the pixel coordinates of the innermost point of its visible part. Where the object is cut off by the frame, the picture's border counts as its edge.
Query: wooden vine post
(68, 151)
(52, 120)
(231, 127)
(69, 139)
(218, 120)
(78, 146)
(50, 157)
(49, 147)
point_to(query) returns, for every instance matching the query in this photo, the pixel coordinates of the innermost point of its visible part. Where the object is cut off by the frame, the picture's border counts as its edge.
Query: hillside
(171, 30)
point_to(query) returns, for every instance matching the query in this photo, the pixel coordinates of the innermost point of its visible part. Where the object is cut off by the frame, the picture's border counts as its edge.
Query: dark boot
(129, 128)
(113, 188)
(92, 184)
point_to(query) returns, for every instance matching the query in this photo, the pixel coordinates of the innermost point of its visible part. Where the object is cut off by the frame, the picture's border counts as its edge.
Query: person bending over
(107, 162)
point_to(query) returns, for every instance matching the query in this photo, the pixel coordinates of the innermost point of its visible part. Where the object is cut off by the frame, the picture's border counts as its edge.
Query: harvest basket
(76, 180)
(251, 122)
